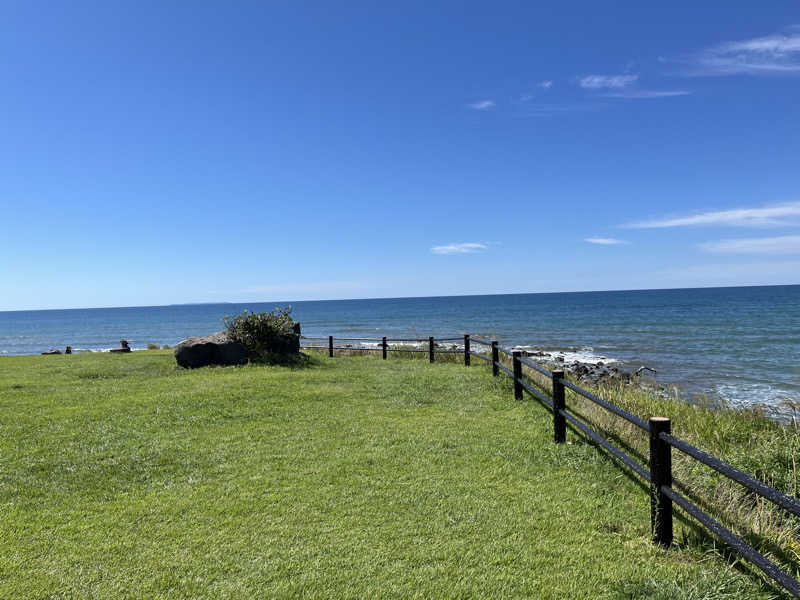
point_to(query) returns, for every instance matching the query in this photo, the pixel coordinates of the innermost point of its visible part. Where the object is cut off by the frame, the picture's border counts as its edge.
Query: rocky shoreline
(594, 373)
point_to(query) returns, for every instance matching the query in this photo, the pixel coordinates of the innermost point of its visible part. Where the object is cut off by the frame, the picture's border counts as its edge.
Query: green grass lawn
(122, 476)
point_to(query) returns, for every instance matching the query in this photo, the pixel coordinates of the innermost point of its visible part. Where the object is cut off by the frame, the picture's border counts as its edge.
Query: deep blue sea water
(742, 344)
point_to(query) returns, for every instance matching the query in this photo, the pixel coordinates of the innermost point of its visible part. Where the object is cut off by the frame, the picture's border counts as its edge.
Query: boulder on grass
(123, 347)
(214, 349)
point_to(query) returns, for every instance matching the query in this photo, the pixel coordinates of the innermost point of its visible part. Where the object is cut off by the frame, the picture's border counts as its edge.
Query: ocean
(739, 344)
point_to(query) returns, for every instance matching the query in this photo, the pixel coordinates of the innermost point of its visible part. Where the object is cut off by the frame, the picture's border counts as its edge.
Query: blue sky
(166, 152)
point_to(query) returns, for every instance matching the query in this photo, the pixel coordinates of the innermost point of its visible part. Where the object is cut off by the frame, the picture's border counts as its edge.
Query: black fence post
(466, 350)
(495, 359)
(430, 349)
(383, 345)
(660, 476)
(517, 375)
(559, 404)
(330, 346)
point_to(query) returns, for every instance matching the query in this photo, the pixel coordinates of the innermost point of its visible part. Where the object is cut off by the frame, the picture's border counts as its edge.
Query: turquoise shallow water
(742, 344)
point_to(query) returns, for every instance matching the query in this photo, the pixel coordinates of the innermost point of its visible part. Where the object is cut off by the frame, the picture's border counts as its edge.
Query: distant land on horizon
(195, 303)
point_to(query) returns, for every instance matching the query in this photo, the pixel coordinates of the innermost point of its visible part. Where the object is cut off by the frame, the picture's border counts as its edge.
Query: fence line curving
(659, 474)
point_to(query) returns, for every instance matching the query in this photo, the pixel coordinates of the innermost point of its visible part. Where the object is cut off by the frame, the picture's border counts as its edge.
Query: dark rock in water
(53, 351)
(215, 349)
(599, 373)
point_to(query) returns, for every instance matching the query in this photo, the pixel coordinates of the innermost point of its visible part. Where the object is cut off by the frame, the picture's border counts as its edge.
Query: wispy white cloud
(782, 214)
(460, 248)
(542, 86)
(482, 105)
(646, 94)
(774, 54)
(624, 86)
(596, 82)
(785, 244)
(604, 241)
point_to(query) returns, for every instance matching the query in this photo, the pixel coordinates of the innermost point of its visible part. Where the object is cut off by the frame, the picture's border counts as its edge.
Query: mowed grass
(122, 476)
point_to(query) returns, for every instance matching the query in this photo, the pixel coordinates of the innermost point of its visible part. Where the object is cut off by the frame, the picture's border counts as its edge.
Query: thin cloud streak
(460, 248)
(604, 241)
(774, 54)
(646, 94)
(482, 105)
(786, 244)
(743, 217)
(596, 82)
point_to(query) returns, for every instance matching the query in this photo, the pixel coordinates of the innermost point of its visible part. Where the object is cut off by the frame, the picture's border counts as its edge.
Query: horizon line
(289, 302)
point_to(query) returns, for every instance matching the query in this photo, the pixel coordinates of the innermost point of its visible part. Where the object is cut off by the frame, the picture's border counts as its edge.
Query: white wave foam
(412, 345)
(582, 355)
(747, 395)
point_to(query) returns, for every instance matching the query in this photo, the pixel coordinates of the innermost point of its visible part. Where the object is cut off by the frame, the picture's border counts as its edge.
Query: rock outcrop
(215, 349)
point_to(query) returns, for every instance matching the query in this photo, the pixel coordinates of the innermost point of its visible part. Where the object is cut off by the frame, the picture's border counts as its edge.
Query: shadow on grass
(290, 361)
(694, 535)
(293, 362)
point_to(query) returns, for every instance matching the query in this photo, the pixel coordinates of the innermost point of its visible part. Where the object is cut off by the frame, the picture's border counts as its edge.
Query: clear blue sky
(166, 152)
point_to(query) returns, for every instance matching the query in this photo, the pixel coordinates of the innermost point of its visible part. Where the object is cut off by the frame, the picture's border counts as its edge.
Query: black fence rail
(383, 345)
(657, 474)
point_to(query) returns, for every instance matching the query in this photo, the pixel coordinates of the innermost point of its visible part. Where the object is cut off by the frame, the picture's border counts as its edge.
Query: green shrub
(267, 336)
(152, 346)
